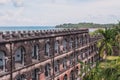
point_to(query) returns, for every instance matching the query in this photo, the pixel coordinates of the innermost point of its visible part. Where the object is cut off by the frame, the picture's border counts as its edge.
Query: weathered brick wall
(29, 39)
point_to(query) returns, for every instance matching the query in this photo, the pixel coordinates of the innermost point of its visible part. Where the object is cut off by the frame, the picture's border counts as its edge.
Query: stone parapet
(13, 35)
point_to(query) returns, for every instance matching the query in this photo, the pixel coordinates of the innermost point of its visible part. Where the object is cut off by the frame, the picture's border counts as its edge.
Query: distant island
(84, 25)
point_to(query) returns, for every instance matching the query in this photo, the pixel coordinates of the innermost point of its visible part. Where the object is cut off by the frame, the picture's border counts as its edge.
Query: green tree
(117, 37)
(109, 70)
(105, 44)
(118, 40)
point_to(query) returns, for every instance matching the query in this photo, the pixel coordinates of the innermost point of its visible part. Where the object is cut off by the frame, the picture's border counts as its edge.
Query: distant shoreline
(84, 25)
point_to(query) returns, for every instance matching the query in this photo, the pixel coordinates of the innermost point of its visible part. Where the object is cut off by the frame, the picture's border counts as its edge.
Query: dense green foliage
(111, 38)
(105, 44)
(109, 68)
(84, 25)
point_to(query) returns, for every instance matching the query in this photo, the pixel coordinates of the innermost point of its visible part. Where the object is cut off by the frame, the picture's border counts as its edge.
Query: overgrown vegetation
(109, 68)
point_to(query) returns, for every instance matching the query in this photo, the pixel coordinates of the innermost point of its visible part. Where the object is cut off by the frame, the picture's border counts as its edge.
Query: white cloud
(98, 11)
(18, 3)
(4, 1)
(53, 12)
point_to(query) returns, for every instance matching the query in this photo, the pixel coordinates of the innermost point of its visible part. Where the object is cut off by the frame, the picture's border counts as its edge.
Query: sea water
(30, 28)
(26, 28)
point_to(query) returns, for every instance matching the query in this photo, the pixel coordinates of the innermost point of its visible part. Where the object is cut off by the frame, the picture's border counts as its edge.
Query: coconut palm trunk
(118, 40)
(119, 44)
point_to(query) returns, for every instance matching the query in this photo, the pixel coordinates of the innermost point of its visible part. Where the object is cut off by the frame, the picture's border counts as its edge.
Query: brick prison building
(46, 54)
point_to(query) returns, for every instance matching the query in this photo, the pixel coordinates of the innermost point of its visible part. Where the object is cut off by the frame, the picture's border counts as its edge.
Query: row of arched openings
(19, 56)
(34, 75)
(73, 75)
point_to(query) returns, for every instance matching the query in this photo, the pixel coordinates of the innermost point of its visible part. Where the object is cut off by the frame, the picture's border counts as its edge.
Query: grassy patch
(112, 57)
(110, 61)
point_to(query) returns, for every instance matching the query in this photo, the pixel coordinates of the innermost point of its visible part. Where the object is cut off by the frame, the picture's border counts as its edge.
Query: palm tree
(117, 37)
(105, 44)
(111, 71)
(117, 28)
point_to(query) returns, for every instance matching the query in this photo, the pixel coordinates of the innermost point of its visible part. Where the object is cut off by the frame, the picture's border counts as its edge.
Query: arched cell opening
(35, 51)
(2, 61)
(71, 43)
(86, 39)
(19, 57)
(65, 77)
(72, 75)
(47, 49)
(76, 57)
(71, 60)
(64, 63)
(47, 70)
(77, 72)
(35, 74)
(76, 42)
(56, 47)
(81, 40)
(21, 77)
(56, 66)
(64, 43)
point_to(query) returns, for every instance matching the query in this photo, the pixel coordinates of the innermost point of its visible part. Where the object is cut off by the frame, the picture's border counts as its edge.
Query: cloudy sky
(54, 12)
